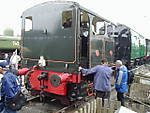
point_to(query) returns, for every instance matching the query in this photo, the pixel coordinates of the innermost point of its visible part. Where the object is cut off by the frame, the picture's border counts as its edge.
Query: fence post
(85, 109)
(142, 108)
(81, 110)
(134, 107)
(117, 104)
(88, 108)
(91, 106)
(112, 103)
(106, 103)
(127, 104)
(110, 110)
(98, 105)
(103, 110)
(95, 107)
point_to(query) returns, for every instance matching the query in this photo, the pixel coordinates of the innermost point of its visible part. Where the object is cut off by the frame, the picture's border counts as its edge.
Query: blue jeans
(1, 106)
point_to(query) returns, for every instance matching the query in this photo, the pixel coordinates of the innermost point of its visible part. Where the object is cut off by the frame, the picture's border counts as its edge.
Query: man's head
(14, 71)
(104, 61)
(118, 63)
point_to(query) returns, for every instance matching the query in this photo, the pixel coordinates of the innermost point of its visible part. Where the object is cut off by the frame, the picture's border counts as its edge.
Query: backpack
(17, 102)
(130, 77)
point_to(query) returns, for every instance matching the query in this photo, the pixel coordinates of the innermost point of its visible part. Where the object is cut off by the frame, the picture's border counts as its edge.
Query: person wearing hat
(102, 83)
(121, 81)
(10, 85)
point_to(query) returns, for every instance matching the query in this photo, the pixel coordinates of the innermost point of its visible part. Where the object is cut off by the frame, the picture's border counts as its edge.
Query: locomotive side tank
(65, 36)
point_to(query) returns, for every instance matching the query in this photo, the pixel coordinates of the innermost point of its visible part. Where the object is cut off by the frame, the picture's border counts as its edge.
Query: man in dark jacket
(102, 74)
(121, 81)
(9, 88)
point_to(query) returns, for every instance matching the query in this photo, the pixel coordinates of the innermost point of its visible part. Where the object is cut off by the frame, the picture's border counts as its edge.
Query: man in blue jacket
(121, 81)
(102, 84)
(9, 88)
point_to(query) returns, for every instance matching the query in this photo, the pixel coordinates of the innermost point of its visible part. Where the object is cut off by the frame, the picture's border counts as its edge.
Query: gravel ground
(38, 107)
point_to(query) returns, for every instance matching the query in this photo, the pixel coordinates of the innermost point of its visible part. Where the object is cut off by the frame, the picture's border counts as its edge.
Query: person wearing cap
(121, 81)
(3, 66)
(102, 83)
(9, 87)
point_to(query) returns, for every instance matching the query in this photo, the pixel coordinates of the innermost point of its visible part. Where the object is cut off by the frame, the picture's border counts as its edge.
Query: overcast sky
(133, 13)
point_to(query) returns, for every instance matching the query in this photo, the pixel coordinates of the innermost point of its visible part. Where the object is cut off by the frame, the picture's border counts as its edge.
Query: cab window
(67, 19)
(110, 30)
(28, 23)
(98, 26)
(84, 24)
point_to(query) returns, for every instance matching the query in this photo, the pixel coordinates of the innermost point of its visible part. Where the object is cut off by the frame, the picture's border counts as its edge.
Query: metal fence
(95, 106)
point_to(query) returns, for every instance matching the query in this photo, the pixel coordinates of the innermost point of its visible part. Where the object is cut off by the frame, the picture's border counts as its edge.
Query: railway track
(34, 105)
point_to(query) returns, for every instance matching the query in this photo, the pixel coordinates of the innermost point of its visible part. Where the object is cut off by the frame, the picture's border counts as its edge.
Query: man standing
(102, 84)
(9, 88)
(121, 81)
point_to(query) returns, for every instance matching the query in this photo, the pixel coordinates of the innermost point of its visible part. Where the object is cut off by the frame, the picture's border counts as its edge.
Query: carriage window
(67, 19)
(98, 26)
(110, 30)
(28, 23)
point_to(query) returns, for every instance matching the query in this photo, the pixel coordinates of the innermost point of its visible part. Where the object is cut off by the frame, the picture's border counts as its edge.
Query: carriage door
(97, 40)
(84, 35)
(109, 42)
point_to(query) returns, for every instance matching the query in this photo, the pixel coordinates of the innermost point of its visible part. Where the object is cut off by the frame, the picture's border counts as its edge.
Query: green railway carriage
(130, 45)
(9, 44)
(138, 45)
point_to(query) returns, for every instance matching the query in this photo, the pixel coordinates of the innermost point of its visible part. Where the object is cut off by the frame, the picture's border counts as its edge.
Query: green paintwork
(138, 45)
(109, 48)
(96, 44)
(9, 42)
(60, 47)
(104, 45)
(48, 38)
